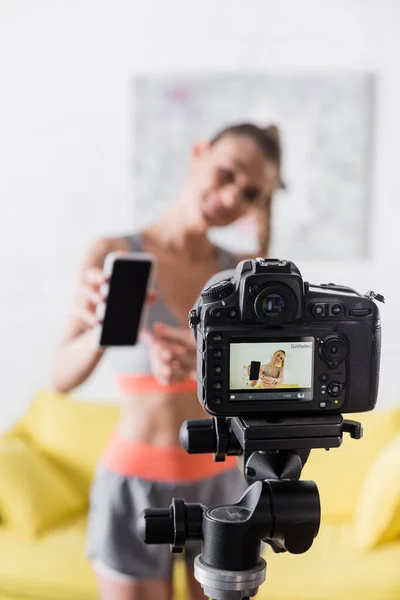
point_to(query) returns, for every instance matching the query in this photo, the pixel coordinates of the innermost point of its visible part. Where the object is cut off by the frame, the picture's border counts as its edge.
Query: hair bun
(273, 131)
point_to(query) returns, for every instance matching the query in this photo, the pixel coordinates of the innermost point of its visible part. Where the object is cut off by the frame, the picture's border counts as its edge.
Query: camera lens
(273, 304)
(334, 349)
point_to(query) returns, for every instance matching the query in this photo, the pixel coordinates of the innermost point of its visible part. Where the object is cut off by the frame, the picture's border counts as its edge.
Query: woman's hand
(88, 296)
(172, 353)
(267, 381)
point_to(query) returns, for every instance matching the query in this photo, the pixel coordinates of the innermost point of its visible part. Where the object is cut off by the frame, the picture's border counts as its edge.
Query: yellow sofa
(47, 462)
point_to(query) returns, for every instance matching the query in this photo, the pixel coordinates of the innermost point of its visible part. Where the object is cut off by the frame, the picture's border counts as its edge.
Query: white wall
(65, 140)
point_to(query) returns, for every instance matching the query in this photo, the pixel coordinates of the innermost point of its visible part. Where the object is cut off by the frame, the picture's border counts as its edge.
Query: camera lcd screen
(271, 370)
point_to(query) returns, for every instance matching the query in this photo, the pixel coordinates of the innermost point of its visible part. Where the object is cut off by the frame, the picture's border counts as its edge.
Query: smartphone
(122, 313)
(254, 370)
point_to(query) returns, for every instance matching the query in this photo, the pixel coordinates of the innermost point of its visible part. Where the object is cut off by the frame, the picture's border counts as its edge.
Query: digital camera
(269, 343)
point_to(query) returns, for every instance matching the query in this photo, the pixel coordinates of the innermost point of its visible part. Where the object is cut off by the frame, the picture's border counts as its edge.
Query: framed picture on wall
(325, 122)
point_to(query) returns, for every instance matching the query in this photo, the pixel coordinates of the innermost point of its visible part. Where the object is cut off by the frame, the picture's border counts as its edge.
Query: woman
(272, 373)
(232, 176)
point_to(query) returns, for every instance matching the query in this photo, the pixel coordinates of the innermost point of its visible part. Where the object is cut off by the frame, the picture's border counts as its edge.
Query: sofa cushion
(49, 567)
(333, 569)
(340, 472)
(54, 566)
(73, 432)
(378, 513)
(34, 494)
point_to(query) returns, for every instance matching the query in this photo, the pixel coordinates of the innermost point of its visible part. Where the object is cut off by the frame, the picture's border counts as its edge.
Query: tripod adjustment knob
(200, 436)
(156, 526)
(354, 428)
(174, 525)
(300, 538)
(197, 436)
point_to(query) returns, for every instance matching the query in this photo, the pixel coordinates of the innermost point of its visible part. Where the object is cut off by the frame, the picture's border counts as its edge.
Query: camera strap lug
(193, 319)
(371, 295)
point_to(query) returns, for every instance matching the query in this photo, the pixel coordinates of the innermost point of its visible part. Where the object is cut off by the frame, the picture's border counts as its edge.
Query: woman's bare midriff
(156, 418)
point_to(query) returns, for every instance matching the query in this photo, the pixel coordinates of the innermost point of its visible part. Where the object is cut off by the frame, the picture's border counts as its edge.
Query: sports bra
(268, 373)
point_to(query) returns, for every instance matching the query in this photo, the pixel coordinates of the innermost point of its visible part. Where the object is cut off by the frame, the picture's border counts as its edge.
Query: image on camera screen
(275, 369)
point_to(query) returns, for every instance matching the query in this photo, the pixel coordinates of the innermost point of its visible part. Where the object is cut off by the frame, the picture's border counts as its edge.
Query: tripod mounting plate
(292, 433)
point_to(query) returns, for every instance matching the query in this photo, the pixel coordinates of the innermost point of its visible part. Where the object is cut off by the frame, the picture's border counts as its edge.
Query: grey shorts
(116, 501)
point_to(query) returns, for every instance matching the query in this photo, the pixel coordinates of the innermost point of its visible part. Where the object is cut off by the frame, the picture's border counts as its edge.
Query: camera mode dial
(218, 291)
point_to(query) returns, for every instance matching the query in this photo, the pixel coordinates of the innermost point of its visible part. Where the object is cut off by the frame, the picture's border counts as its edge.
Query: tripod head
(277, 508)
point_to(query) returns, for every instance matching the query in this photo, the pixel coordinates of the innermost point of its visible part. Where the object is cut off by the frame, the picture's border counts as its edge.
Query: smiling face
(230, 178)
(278, 358)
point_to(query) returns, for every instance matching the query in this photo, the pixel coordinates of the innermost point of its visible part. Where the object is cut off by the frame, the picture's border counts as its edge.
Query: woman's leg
(146, 589)
(125, 567)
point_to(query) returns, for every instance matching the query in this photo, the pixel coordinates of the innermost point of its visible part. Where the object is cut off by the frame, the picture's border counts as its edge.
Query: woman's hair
(268, 140)
(284, 356)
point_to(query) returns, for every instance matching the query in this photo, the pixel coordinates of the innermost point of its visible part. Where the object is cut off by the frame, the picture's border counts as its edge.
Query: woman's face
(230, 178)
(278, 357)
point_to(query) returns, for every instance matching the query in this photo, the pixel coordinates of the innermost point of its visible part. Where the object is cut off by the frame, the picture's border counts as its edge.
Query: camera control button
(217, 385)
(232, 313)
(217, 354)
(337, 310)
(334, 388)
(216, 338)
(217, 370)
(360, 312)
(216, 314)
(216, 400)
(322, 404)
(318, 310)
(333, 349)
(324, 377)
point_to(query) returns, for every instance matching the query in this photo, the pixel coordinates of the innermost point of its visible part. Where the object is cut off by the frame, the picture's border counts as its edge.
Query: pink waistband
(170, 464)
(146, 384)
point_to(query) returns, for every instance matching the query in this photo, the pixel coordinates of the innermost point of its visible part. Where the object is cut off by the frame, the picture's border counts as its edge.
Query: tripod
(276, 508)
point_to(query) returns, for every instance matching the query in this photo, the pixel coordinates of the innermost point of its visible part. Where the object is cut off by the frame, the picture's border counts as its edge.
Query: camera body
(308, 349)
